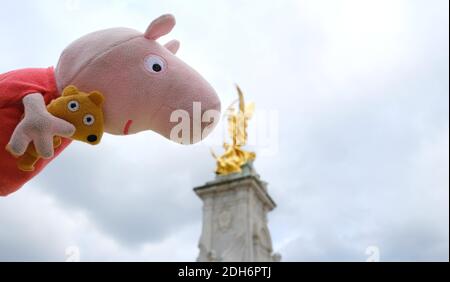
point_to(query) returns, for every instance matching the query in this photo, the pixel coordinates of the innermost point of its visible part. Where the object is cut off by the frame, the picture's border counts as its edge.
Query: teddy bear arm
(27, 162)
(31, 157)
(57, 141)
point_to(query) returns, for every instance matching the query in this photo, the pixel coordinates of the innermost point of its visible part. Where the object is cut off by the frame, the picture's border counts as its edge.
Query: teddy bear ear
(97, 98)
(70, 91)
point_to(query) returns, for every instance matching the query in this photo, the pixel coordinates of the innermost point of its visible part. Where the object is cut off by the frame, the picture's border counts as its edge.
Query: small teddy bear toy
(82, 110)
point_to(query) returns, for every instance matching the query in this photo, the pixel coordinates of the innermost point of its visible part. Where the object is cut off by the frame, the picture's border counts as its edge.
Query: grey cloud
(138, 199)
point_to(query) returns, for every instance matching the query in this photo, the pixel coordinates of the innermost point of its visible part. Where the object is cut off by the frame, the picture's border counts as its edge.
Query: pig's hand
(38, 126)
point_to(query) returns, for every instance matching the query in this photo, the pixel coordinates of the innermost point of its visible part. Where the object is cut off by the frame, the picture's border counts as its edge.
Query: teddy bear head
(82, 110)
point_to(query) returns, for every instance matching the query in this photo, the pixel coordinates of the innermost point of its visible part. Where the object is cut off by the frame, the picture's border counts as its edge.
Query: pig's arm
(38, 126)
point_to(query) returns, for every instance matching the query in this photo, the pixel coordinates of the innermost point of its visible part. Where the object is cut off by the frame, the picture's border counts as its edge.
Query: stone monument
(236, 203)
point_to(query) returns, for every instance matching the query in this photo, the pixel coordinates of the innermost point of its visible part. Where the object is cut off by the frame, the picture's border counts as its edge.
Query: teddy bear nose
(92, 138)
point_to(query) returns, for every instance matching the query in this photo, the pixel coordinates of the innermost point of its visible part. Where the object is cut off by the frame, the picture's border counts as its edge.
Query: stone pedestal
(235, 211)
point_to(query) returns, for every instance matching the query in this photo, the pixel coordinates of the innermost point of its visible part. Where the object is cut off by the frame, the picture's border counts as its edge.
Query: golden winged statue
(234, 156)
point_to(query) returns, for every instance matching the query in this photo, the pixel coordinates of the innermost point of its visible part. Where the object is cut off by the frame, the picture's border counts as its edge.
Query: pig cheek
(115, 117)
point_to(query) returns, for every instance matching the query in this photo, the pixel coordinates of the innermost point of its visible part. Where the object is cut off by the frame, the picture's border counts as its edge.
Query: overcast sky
(355, 96)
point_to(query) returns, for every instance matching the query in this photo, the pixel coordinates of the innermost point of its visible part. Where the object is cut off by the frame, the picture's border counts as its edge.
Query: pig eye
(73, 106)
(155, 64)
(88, 120)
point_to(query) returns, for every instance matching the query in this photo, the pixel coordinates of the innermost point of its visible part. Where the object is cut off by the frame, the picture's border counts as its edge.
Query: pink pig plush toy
(142, 81)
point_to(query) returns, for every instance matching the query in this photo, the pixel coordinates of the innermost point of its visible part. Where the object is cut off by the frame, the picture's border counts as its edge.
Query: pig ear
(160, 27)
(97, 98)
(173, 46)
(70, 91)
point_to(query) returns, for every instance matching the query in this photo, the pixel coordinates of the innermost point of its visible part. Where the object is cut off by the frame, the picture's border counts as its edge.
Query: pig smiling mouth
(126, 129)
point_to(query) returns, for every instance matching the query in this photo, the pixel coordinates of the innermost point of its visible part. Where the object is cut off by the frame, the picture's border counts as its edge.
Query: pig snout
(188, 115)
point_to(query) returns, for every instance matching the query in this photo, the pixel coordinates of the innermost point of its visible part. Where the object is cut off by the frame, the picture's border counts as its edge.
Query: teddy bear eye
(88, 120)
(155, 64)
(73, 106)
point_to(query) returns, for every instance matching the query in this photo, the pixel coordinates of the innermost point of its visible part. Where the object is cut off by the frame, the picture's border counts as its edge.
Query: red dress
(14, 86)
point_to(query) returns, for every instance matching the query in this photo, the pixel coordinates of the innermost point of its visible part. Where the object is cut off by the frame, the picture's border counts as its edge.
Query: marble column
(235, 209)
